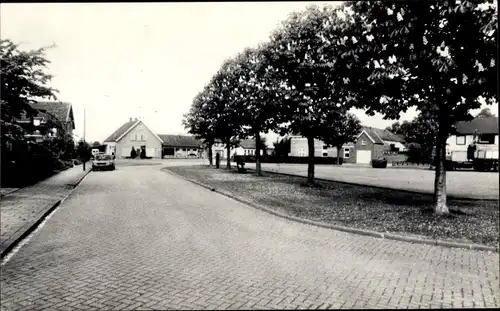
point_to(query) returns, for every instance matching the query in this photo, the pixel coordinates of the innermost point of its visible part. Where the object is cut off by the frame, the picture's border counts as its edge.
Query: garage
(126, 152)
(363, 156)
(151, 152)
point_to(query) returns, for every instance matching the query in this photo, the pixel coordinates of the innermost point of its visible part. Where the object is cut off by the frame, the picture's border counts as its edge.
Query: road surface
(140, 238)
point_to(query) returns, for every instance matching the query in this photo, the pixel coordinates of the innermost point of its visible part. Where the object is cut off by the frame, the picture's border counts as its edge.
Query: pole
(84, 141)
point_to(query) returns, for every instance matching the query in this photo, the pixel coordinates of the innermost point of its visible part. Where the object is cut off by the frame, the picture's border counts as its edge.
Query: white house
(133, 134)
(482, 130)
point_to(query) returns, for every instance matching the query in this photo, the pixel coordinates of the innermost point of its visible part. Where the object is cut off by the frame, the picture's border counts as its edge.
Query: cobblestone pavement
(139, 238)
(468, 184)
(25, 206)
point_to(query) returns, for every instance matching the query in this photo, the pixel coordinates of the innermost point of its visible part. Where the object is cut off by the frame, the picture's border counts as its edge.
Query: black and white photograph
(252, 155)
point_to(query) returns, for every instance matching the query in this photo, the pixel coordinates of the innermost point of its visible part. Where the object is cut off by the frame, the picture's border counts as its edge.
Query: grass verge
(389, 211)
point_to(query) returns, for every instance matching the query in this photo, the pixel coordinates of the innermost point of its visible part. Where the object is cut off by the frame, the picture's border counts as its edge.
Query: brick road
(139, 238)
(26, 205)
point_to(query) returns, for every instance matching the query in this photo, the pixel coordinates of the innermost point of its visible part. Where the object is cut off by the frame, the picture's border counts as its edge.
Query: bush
(27, 163)
(379, 163)
(77, 162)
(287, 159)
(133, 154)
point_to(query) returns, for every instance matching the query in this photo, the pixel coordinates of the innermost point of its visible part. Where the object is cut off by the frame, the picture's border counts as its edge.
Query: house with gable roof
(50, 111)
(133, 134)
(371, 143)
(482, 131)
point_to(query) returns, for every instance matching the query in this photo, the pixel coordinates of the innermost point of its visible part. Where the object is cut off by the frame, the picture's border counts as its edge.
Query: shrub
(133, 154)
(379, 163)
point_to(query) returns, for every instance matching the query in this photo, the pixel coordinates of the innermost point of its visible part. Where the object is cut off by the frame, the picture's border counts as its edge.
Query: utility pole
(84, 141)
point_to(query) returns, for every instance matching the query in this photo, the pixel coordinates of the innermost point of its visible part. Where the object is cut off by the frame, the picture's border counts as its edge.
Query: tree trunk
(228, 147)
(440, 207)
(310, 164)
(338, 154)
(257, 154)
(210, 154)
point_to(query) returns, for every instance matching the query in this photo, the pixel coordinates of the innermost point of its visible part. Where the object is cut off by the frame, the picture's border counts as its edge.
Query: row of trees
(384, 57)
(23, 79)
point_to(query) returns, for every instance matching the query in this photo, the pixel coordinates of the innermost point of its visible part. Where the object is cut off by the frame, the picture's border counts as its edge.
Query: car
(103, 162)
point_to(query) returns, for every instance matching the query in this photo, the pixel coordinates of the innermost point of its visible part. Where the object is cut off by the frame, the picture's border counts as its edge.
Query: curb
(79, 180)
(378, 187)
(6, 194)
(364, 232)
(27, 229)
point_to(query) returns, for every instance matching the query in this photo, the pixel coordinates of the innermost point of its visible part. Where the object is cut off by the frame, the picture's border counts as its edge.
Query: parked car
(103, 162)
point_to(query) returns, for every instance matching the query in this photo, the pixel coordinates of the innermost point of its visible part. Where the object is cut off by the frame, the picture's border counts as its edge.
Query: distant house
(482, 131)
(246, 147)
(133, 134)
(48, 112)
(371, 143)
(181, 146)
(299, 148)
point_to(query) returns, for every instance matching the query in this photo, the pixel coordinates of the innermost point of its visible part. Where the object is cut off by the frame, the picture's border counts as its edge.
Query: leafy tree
(254, 96)
(282, 147)
(84, 150)
(340, 128)
(437, 56)
(419, 135)
(226, 117)
(96, 144)
(399, 128)
(22, 80)
(485, 113)
(309, 64)
(197, 122)
(262, 145)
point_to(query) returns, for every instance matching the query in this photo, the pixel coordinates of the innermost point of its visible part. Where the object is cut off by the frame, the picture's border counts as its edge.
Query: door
(151, 152)
(363, 156)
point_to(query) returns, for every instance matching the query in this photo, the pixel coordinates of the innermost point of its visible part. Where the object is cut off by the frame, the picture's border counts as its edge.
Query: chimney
(135, 119)
(131, 120)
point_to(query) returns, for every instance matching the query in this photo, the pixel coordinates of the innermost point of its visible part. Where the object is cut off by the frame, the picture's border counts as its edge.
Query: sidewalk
(23, 209)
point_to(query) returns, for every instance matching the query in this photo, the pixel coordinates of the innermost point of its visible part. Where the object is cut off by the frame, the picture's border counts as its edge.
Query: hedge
(287, 159)
(27, 164)
(376, 163)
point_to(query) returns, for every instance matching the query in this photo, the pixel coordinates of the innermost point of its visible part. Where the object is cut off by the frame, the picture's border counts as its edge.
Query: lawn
(471, 221)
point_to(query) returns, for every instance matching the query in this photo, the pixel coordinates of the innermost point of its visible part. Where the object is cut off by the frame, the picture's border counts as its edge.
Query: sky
(145, 60)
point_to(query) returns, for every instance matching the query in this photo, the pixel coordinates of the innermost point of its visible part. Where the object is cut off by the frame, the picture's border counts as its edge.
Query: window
(183, 149)
(487, 138)
(325, 147)
(325, 154)
(132, 138)
(36, 122)
(363, 142)
(347, 152)
(460, 140)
